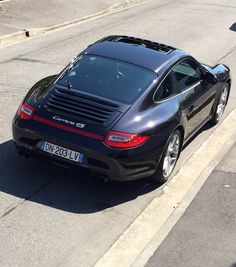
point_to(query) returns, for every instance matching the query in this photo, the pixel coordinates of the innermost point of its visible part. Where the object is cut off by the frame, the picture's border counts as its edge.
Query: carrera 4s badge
(76, 124)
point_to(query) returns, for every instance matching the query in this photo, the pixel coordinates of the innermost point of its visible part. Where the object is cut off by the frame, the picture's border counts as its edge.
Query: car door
(197, 95)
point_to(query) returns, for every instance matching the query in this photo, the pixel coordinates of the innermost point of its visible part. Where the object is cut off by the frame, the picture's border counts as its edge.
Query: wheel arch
(180, 128)
(229, 81)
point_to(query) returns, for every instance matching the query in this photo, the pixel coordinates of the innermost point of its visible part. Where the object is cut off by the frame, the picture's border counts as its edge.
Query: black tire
(159, 175)
(216, 118)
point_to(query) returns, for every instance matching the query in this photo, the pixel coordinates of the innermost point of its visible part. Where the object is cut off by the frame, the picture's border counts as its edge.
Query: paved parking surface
(51, 216)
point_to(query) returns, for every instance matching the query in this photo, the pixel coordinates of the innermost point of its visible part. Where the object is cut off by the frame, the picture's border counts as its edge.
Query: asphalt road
(50, 216)
(205, 235)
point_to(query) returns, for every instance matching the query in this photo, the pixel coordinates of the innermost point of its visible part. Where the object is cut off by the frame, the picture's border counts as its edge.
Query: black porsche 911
(123, 108)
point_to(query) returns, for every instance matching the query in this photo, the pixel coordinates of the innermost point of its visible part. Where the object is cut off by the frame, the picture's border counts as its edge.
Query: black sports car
(123, 108)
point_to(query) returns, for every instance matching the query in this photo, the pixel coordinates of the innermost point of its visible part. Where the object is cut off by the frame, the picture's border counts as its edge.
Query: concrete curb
(13, 37)
(151, 226)
(24, 34)
(4, 1)
(160, 236)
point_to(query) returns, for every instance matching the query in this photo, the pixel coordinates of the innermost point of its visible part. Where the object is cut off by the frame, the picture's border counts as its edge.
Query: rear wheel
(221, 104)
(169, 158)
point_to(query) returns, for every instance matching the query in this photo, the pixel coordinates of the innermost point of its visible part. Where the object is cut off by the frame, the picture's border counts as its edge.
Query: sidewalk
(20, 19)
(16, 15)
(206, 233)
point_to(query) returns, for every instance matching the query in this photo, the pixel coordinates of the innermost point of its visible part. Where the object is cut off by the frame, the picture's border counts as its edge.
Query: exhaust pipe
(23, 153)
(99, 177)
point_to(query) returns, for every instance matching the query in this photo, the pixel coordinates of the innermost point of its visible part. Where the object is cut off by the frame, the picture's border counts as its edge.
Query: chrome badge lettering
(76, 124)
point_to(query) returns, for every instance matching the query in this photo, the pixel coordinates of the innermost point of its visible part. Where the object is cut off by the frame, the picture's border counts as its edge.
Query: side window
(187, 74)
(167, 88)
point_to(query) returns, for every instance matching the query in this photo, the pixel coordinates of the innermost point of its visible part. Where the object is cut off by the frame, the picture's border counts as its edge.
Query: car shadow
(233, 27)
(75, 191)
(64, 189)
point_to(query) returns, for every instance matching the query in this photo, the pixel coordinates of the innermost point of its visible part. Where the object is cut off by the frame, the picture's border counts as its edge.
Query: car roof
(150, 55)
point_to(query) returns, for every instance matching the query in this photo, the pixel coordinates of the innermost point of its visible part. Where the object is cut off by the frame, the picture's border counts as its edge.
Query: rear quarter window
(167, 88)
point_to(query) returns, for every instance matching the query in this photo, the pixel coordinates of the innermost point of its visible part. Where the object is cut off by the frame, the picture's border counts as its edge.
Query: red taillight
(124, 140)
(25, 111)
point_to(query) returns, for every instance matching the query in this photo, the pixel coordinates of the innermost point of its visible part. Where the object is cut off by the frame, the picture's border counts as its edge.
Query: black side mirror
(210, 77)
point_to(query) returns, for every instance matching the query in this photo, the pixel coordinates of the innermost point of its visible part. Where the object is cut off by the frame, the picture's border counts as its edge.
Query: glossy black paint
(186, 111)
(136, 55)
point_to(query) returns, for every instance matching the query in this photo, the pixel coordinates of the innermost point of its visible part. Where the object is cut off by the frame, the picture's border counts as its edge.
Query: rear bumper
(112, 163)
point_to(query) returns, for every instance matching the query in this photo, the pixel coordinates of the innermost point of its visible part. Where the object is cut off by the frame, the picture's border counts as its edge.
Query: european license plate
(62, 152)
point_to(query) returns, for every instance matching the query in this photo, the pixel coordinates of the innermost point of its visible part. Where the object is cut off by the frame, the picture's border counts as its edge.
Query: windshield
(106, 77)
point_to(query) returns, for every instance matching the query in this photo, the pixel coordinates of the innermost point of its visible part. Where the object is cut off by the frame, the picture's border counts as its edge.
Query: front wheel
(169, 158)
(221, 104)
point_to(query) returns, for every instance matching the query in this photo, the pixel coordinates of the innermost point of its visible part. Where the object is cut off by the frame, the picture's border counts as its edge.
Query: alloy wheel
(222, 103)
(171, 155)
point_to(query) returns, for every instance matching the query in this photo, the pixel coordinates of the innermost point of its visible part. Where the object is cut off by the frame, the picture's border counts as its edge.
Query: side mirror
(210, 77)
(220, 71)
(207, 75)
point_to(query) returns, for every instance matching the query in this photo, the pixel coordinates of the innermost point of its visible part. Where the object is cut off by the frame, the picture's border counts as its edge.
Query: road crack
(208, 4)
(11, 209)
(227, 54)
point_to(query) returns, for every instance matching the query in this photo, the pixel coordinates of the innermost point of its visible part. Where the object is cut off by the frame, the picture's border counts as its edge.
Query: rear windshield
(109, 78)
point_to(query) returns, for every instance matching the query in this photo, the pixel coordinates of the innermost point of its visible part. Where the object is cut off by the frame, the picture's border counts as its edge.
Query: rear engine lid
(81, 110)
